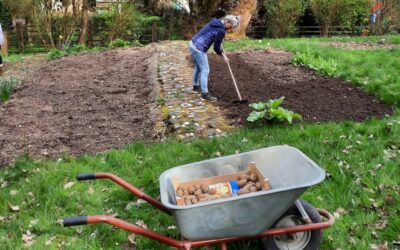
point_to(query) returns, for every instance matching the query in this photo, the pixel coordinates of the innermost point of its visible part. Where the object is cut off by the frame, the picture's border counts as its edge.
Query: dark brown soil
(80, 104)
(262, 76)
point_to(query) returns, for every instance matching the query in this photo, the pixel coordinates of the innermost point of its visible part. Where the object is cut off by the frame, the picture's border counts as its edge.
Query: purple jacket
(213, 32)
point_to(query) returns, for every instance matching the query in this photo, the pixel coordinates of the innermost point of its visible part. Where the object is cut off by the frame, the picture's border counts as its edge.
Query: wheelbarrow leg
(223, 246)
(303, 212)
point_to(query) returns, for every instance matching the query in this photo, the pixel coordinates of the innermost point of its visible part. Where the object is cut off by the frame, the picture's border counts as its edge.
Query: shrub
(7, 86)
(282, 16)
(55, 53)
(272, 110)
(77, 49)
(119, 43)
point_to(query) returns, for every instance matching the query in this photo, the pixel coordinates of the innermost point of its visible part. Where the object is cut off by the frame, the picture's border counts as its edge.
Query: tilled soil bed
(80, 104)
(262, 76)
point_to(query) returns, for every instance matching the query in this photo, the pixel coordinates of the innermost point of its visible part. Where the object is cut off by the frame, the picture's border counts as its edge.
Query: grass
(362, 188)
(7, 86)
(74, 50)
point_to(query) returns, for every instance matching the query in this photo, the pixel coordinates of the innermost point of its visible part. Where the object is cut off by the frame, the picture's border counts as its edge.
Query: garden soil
(91, 103)
(80, 104)
(263, 75)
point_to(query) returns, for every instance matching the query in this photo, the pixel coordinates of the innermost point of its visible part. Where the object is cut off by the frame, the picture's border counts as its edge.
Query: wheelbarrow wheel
(308, 240)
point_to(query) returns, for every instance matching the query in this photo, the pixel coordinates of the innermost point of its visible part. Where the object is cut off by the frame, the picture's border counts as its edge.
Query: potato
(242, 183)
(253, 177)
(258, 185)
(204, 188)
(248, 185)
(243, 191)
(198, 192)
(188, 202)
(181, 188)
(185, 192)
(203, 199)
(179, 193)
(197, 186)
(201, 196)
(253, 189)
(192, 190)
(190, 197)
(244, 176)
(194, 201)
(212, 191)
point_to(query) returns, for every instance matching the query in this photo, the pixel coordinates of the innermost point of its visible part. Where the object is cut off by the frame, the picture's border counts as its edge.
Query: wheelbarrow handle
(75, 221)
(134, 190)
(86, 176)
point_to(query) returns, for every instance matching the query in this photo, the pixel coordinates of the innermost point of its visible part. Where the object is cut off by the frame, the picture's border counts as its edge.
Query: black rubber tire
(268, 243)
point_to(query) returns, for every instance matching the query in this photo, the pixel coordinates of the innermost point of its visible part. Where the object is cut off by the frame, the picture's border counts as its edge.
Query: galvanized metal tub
(290, 173)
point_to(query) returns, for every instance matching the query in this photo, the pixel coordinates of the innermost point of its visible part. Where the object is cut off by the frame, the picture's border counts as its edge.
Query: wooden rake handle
(234, 81)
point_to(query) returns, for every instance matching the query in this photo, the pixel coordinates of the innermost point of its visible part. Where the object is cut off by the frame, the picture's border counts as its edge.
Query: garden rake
(234, 83)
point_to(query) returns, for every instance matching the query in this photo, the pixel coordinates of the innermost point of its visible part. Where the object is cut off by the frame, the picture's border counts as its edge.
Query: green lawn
(362, 160)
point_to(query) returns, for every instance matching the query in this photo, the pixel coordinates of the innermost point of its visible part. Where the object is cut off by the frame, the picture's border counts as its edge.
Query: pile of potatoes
(248, 183)
(195, 194)
(200, 193)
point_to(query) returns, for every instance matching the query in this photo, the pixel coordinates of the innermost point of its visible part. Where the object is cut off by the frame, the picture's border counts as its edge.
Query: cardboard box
(221, 183)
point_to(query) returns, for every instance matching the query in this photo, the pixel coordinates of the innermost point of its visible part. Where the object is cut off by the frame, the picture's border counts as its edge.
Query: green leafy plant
(325, 67)
(160, 100)
(77, 49)
(119, 43)
(7, 86)
(272, 110)
(55, 53)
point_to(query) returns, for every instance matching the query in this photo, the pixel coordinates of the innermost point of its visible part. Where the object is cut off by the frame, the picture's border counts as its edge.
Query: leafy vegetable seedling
(272, 110)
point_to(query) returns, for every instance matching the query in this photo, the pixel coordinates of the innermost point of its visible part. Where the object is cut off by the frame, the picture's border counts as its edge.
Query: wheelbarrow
(277, 216)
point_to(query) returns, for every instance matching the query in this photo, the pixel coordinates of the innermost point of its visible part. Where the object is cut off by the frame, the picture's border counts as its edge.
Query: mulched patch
(262, 76)
(80, 104)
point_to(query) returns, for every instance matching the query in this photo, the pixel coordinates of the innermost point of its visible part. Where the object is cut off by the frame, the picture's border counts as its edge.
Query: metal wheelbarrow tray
(230, 219)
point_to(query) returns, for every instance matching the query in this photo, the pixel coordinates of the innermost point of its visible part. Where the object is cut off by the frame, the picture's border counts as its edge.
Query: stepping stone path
(181, 110)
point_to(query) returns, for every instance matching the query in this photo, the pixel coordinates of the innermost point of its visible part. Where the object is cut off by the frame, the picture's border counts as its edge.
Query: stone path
(182, 111)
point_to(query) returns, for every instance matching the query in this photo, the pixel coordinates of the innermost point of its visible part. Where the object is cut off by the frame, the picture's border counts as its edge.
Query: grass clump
(74, 50)
(119, 43)
(7, 87)
(315, 62)
(55, 54)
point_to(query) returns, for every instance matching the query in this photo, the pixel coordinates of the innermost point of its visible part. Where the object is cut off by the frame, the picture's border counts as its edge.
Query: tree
(84, 22)
(56, 30)
(5, 16)
(358, 13)
(282, 16)
(20, 11)
(245, 9)
(204, 11)
(122, 18)
(327, 12)
(388, 14)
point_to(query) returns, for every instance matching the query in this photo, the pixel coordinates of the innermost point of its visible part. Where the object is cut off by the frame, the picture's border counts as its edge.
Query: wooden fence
(154, 33)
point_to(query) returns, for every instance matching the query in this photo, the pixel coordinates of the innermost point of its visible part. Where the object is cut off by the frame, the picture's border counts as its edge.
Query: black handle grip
(87, 176)
(75, 221)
